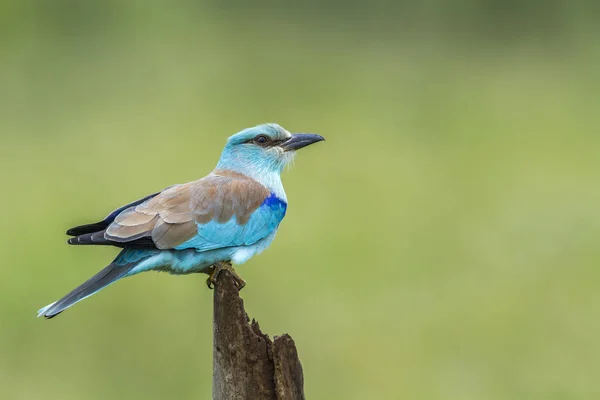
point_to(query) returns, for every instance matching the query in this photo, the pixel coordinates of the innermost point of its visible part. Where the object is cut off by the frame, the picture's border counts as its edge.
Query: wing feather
(132, 217)
(167, 236)
(126, 231)
(221, 203)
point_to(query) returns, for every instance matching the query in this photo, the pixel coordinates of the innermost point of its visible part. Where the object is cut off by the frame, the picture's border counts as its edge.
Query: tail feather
(105, 277)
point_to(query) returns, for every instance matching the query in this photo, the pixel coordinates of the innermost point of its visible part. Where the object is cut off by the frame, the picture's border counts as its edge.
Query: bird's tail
(113, 272)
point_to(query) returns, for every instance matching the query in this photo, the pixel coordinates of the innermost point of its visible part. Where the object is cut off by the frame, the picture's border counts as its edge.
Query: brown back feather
(170, 217)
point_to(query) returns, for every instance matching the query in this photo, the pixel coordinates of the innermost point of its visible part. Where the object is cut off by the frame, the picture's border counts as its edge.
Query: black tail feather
(89, 228)
(102, 225)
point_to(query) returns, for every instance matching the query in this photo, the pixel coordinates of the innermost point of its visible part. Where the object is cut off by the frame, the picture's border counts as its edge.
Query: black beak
(300, 140)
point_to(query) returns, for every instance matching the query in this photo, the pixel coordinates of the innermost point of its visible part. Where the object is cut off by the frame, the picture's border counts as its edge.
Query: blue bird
(228, 216)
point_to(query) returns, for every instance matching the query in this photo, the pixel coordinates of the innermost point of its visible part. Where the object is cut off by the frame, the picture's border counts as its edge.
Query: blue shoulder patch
(275, 203)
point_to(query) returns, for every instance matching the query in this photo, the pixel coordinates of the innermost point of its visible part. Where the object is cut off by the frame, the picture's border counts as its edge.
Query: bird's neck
(264, 170)
(268, 178)
(271, 180)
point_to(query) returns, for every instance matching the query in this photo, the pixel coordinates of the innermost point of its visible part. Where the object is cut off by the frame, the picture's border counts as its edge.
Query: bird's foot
(216, 269)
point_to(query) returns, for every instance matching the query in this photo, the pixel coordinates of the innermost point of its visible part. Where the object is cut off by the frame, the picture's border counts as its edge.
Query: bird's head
(266, 148)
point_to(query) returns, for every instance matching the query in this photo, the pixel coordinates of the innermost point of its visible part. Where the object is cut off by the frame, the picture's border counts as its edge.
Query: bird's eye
(261, 139)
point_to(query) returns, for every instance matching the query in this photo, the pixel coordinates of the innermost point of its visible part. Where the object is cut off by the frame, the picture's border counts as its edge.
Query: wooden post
(247, 365)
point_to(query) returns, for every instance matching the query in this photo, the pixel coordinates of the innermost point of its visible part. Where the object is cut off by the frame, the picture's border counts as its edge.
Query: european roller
(226, 217)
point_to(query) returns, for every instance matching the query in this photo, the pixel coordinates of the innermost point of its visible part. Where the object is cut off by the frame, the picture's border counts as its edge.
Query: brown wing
(171, 217)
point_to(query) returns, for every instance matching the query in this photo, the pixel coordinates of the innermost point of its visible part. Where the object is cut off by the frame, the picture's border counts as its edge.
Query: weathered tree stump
(247, 365)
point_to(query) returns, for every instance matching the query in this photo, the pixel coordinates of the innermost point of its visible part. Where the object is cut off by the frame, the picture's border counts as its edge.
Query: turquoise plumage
(262, 223)
(228, 216)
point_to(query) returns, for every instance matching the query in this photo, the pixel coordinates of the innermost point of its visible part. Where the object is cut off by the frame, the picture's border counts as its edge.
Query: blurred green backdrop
(442, 244)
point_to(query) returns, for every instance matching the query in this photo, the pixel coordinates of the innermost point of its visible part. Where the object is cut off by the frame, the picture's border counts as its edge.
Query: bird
(225, 218)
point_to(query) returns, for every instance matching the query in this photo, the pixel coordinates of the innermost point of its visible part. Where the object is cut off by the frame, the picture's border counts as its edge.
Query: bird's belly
(244, 253)
(191, 261)
(181, 262)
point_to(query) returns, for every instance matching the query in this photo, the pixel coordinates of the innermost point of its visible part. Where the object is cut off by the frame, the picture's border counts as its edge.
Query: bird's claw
(216, 269)
(210, 283)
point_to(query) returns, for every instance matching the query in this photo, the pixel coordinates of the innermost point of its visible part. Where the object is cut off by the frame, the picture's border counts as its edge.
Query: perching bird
(228, 216)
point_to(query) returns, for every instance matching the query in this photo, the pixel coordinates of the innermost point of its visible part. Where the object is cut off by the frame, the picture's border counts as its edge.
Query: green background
(442, 244)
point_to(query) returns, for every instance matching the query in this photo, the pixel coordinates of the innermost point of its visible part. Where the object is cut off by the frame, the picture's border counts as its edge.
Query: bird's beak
(300, 140)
